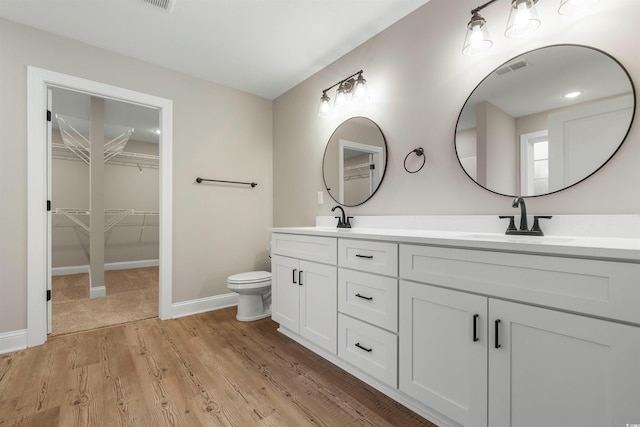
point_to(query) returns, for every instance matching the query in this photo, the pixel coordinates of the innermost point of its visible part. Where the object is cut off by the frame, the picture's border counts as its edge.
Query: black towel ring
(420, 153)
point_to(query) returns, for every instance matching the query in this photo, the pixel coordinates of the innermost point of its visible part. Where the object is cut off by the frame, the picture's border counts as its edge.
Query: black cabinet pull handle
(364, 256)
(475, 327)
(368, 350)
(497, 330)
(294, 275)
(300, 277)
(363, 297)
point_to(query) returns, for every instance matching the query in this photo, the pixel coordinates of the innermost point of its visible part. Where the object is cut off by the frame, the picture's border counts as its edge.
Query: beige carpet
(131, 295)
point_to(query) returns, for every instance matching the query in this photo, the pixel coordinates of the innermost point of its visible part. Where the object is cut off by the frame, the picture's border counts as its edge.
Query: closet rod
(252, 184)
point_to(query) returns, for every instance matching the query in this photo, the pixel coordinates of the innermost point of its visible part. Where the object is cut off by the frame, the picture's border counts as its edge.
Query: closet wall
(134, 238)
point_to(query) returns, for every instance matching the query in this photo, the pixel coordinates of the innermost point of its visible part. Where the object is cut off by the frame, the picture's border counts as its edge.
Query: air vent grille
(512, 67)
(166, 5)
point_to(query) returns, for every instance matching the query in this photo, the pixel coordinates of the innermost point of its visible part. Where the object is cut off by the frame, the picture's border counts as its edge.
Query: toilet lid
(250, 277)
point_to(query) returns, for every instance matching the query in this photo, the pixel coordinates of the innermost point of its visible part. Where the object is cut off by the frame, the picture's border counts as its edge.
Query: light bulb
(325, 107)
(522, 16)
(477, 39)
(476, 36)
(360, 90)
(341, 98)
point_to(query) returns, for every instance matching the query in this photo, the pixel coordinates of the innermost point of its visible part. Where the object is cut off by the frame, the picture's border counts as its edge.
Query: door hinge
(48, 115)
(48, 294)
(48, 205)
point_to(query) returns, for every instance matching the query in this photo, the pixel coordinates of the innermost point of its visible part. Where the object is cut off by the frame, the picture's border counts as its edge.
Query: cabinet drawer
(374, 257)
(311, 248)
(369, 297)
(596, 287)
(370, 349)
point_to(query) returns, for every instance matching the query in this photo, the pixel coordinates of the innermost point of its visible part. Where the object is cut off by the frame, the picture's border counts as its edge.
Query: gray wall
(218, 133)
(419, 81)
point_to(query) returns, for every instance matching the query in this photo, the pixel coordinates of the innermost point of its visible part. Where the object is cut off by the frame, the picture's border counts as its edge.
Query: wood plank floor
(202, 370)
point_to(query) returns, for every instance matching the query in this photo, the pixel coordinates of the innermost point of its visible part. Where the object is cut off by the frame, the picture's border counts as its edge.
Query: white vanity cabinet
(443, 351)
(368, 307)
(469, 333)
(541, 367)
(304, 293)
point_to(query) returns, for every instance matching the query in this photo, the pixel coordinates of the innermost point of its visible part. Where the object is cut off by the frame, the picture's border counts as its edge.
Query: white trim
(73, 269)
(38, 80)
(97, 292)
(526, 160)
(124, 265)
(195, 306)
(13, 341)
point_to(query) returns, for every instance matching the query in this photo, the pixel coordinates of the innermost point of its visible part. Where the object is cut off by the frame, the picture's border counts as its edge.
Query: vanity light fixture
(349, 90)
(523, 19)
(477, 39)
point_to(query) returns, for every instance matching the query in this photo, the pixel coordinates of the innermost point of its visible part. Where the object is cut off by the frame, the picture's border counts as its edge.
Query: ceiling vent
(166, 5)
(512, 67)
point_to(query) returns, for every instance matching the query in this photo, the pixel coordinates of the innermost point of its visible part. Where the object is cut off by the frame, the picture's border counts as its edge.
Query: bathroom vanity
(470, 329)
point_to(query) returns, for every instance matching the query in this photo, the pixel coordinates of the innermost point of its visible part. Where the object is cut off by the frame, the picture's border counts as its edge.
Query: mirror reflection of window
(583, 99)
(534, 163)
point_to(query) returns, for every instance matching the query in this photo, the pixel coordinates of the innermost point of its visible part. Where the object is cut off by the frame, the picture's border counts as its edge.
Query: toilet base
(252, 307)
(252, 318)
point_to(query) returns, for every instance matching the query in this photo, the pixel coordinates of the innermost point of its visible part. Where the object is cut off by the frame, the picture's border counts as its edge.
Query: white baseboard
(13, 341)
(98, 292)
(124, 265)
(187, 308)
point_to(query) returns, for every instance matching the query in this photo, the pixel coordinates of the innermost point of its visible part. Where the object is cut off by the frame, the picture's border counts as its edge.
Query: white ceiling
(264, 47)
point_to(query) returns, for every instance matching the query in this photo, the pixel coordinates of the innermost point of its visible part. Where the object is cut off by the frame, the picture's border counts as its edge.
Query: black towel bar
(252, 184)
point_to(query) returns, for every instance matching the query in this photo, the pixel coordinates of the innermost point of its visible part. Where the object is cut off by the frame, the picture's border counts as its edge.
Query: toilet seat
(250, 278)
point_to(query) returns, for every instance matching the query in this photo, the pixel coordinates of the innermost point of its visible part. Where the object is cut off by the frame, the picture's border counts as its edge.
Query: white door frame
(365, 148)
(38, 80)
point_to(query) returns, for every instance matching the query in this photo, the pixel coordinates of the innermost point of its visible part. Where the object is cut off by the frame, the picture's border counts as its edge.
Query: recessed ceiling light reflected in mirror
(573, 94)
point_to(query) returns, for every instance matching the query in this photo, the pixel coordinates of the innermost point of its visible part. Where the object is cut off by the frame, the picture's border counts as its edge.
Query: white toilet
(254, 289)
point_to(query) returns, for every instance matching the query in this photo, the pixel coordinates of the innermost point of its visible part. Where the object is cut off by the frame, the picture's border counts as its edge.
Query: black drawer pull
(364, 256)
(475, 327)
(300, 278)
(294, 275)
(368, 350)
(363, 297)
(497, 326)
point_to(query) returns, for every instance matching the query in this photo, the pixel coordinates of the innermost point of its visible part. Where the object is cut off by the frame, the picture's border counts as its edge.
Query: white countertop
(604, 248)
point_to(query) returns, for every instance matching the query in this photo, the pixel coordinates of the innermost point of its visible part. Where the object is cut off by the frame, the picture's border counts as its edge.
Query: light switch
(320, 197)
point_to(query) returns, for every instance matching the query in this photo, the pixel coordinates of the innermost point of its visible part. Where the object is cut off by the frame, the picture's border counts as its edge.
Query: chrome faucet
(344, 221)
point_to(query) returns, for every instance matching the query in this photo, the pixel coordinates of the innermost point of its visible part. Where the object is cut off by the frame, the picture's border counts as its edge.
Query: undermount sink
(517, 239)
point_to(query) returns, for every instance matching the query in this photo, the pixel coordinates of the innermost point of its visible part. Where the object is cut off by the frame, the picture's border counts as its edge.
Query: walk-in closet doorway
(104, 267)
(40, 151)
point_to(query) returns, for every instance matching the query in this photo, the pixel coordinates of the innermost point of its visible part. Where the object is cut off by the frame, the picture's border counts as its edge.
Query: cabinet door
(560, 369)
(319, 304)
(285, 293)
(443, 364)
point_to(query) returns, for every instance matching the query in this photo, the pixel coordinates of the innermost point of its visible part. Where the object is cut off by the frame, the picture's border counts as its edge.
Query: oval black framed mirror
(355, 160)
(545, 120)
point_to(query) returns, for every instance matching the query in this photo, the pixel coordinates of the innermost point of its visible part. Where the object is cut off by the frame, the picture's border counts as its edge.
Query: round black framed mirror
(355, 160)
(545, 120)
